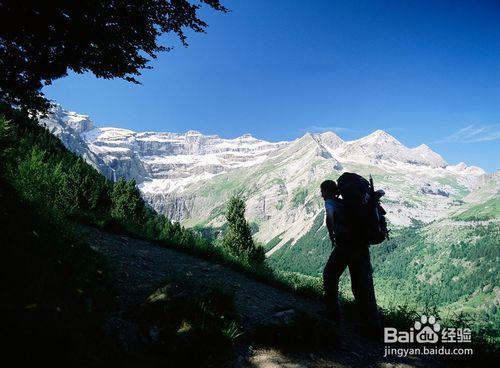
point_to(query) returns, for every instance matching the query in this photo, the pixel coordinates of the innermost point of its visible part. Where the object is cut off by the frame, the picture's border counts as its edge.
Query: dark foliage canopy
(41, 41)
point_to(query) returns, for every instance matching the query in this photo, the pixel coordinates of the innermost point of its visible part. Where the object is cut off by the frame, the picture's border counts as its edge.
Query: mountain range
(445, 218)
(190, 176)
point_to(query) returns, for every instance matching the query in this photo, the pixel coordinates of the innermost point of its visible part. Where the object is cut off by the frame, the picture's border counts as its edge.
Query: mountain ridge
(85, 127)
(444, 214)
(190, 176)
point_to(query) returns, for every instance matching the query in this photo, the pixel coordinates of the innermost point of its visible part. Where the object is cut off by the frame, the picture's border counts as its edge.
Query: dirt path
(140, 267)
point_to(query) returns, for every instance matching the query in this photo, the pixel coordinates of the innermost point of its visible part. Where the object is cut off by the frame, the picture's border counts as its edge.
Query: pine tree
(238, 239)
(126, 201)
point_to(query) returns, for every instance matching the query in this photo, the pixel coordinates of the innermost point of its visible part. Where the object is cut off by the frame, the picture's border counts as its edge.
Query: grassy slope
(483, 211)
(307, 256)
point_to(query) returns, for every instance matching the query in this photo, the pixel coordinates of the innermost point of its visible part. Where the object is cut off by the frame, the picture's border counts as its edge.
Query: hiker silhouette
(350, 250)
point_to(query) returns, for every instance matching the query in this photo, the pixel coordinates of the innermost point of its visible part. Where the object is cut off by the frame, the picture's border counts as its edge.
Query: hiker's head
(329, 189)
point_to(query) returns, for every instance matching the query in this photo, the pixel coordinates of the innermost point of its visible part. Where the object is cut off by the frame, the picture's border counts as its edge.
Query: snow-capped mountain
(159, 162)
(381, 146)
(190, 176)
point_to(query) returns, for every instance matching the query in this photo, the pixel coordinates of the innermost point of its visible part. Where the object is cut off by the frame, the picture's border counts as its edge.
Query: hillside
(189, 177)
(141, 267)
(57, 292)
(50, 191)
(77, 295)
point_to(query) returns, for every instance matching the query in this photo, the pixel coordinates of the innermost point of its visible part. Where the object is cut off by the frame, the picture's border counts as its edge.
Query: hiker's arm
(329, 223)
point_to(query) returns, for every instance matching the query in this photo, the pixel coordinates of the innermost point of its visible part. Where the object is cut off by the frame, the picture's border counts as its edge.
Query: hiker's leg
(334, 268)
(362, 286)
(355, 272)
(355, 285)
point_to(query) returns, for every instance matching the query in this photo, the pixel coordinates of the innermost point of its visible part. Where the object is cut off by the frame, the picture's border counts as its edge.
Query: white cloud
(473, 134)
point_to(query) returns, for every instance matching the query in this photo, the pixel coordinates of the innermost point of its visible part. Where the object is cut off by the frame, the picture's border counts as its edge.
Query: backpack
(365, 216)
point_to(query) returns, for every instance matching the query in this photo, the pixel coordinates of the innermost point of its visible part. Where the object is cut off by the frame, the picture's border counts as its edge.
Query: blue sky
(424, 71)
